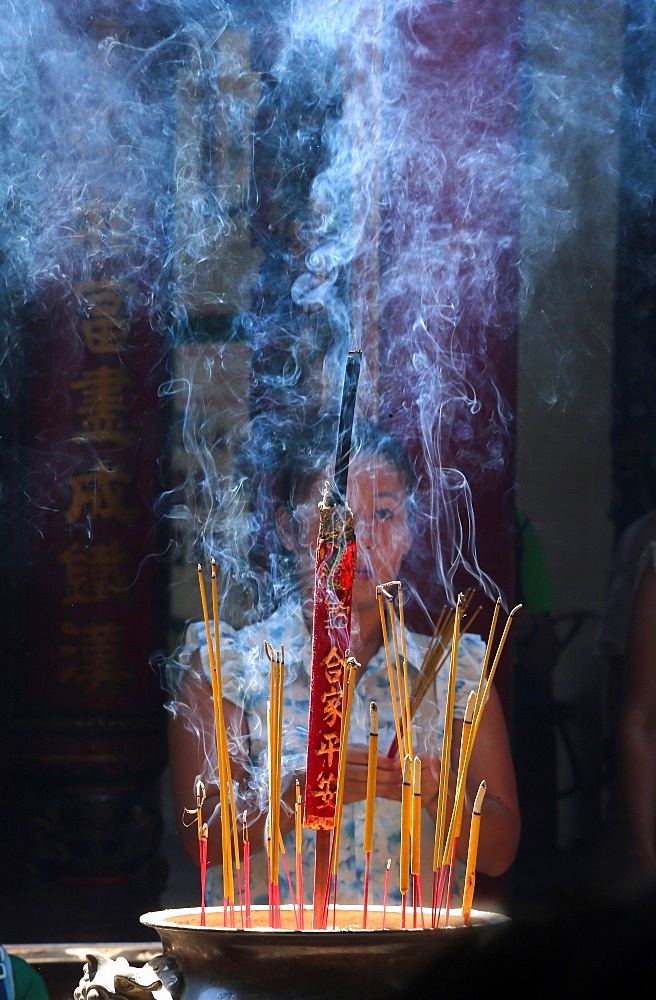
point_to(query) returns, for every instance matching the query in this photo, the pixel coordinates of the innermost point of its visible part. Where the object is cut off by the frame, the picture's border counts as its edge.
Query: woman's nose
(365, 536)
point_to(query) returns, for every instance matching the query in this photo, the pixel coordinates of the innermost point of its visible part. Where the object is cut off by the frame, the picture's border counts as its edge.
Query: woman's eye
(384, 513)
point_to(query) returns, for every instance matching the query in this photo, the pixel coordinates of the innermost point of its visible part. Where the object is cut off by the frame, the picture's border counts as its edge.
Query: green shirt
(21, 980)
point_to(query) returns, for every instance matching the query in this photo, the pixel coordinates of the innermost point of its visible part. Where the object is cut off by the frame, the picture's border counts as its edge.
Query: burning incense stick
(386, 889)
(446, 741)
(449, 856)
(202, 843)
(415, 866)
(370, 807)
(346, 416)
(482, 695)
(274, 741)
(433, 660)
(335, 568)
(331, 624)
(467, 745)
(292, 896)
(383, 596)
(406, 833)
(406, 716)
(437, 651)
(461, 779)
(400, 658)
(472, 851)
(472, 715)
(247, 868)
(298, 828)
(351, 669)
(221, 741)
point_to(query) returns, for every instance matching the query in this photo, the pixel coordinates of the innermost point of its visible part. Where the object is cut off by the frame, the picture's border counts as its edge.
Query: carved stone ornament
(108, 978)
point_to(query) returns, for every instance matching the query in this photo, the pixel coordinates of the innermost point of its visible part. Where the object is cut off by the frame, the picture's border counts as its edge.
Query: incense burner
(214, 962)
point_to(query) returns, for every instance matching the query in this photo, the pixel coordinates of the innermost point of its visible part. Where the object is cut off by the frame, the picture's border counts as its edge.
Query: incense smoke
(275, 187)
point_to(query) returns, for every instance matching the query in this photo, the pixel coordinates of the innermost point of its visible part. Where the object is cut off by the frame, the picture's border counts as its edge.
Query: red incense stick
(386, 890)
(331, 624)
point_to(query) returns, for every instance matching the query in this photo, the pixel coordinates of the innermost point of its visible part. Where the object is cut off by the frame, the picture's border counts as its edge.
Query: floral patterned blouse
(245, 677)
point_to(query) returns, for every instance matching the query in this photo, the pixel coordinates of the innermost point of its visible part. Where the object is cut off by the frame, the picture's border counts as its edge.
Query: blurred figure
(623, 642)
(638, 719)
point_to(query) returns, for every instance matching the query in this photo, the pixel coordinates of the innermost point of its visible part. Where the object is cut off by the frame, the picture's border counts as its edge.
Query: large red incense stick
(331, 626)
(335, 568)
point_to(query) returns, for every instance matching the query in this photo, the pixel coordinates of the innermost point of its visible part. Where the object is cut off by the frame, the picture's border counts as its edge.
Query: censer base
(215, 962)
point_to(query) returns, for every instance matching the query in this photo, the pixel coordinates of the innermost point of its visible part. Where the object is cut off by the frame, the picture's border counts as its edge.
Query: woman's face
(377, 496)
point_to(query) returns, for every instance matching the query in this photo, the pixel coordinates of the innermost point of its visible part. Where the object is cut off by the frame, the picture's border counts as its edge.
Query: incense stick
(224, 739)
(446, 740)
(484, 689)
(221, 742)
(370, 807)
(386, 889)
(445, 764)
(298, 828)
(470, 725)
(463, 761)
(202, 842)
(415, 867)
(406, 833)
(434, 658)
(467, 746)
(472, 850)
(383, 595)
(274, 740)
(346, 416)
(451, 845)
(437, 652)
(247, 868)
(351, 668)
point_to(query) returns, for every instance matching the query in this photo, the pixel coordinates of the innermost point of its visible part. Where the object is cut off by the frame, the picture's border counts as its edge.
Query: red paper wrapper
(335, 569)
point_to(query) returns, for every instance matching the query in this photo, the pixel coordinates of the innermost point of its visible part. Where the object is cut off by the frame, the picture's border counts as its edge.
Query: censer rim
(173, 918)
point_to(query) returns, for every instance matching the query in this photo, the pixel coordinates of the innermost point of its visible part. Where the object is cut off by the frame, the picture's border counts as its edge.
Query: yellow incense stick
(228, 815)
(298, 827)
(468, 723)
(406, 825)
(482, 695)
(401, 669)
(351, 669)
(461, 779)
(436, 654)
(400, 663)
(221, 743)
(486, 658)
(372, 767)
(382, 596)
(416, 817)
(271, 838)
(274, 746)
(298, 819)
(200, 799)
(472, 851)
(445, 767)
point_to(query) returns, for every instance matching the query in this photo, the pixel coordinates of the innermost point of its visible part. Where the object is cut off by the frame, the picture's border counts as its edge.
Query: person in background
(19, 980)
(381, 490)
(612, 644)
(638, 719)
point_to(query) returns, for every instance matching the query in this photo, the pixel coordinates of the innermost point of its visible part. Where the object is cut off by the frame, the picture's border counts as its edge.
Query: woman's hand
(388, 775)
